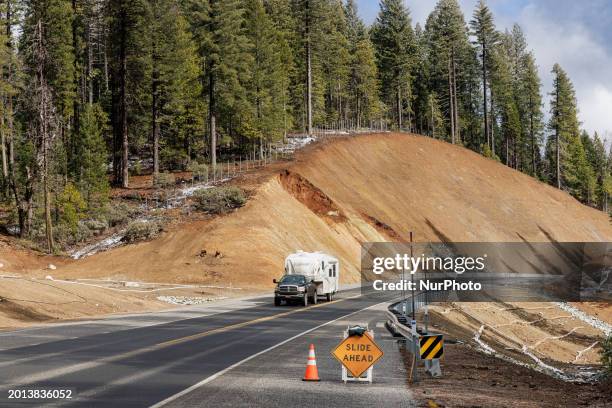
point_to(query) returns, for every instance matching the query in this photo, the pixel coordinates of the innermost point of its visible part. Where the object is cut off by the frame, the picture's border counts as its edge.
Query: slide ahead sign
(357, 353)
(431, 347)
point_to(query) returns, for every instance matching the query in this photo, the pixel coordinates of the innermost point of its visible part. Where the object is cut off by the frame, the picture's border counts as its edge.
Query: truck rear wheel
(329, 297)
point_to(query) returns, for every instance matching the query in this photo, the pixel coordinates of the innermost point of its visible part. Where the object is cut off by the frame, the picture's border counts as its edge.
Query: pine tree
(310, 17)
(507, 101)
(41, 108)
(595, 152)
(129, 68)
(287, 37)
(366, 104)
(15, 149)
(356, 29)
(219, 27)
(174, 74)
(7, 94)
(47, 45)
(92, 180)
(363, 104)
(531, 91)
(394, 42)
(486, 38)
(451, 58)
(422, 85)
(335, 60)
(268, 81)
(182, 121)
(568, 167)
(435, 120)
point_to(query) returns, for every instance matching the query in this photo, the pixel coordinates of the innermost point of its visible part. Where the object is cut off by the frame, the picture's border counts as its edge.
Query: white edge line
(239, 363)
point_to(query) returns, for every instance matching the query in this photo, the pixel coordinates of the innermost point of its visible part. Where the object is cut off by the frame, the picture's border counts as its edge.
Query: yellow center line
(33, 378)
(243, 324)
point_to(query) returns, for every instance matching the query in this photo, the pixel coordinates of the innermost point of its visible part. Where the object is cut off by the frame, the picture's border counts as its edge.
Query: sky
(576, 34)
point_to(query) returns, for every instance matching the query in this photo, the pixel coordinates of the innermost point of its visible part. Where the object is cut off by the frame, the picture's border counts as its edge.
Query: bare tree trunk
(3, 141)
(507, 151)
(457, 137)
(533, 141)
(90, 90)
(309, 86)
(409, 115)
(451, 105)
(9, 102)
(213, 120)
(358, 112)
(155, 113)
(399, 107)
(44, 117)
(76, 101)
(155, 130)
(433, 123)
(284, 114)
(106, 80)
(558, 142)
(123, 109)
(484, 93)
(492, 130)
(308, 71)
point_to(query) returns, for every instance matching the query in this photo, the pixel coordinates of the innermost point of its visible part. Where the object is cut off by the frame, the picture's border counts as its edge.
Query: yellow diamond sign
(357, 353)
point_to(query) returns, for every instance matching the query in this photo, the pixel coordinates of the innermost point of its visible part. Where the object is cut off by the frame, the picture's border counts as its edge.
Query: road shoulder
(275, 378)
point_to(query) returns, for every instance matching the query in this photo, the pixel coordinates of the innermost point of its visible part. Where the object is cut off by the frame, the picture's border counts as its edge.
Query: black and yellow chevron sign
(431, 346)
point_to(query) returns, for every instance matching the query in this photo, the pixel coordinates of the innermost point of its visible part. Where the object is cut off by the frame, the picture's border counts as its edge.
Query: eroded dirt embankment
(338, 194)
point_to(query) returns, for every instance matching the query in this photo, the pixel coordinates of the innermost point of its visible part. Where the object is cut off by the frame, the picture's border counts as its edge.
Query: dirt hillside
(341, 193)
(334, 196)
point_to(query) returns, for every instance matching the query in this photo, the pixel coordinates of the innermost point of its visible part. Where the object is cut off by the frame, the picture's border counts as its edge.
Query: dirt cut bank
(347, 191)
(336, 195)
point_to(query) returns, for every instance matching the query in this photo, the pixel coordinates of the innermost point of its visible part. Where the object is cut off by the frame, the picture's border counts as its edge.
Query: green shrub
(83, 233)
(606, 355)
(63, 235)
(96, 226)
(198, 171)
(137, 168)
(71, 207)
(218, 200)
(141, 230)
(487, 152)
(164, 180)
(117, 214)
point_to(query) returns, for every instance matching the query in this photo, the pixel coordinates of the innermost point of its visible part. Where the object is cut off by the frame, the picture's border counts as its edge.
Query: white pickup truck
(308, 275)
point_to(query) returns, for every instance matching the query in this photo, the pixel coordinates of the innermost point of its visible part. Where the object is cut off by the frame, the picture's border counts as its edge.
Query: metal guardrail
(421, 299)
(399, 314)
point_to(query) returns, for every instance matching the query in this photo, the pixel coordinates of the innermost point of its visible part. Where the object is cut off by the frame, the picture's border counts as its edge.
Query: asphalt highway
(144, 360)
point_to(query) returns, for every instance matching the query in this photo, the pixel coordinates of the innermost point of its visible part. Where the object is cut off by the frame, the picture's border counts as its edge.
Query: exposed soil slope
(341, 193)
(367, 188)
(336, 195)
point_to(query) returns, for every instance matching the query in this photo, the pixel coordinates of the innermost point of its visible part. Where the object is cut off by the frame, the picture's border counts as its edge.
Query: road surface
(237, 353)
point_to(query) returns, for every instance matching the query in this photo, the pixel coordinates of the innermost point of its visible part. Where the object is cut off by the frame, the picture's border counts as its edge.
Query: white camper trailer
(308, 275)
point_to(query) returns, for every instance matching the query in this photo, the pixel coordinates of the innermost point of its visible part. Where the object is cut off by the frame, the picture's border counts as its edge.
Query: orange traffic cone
(312, 374)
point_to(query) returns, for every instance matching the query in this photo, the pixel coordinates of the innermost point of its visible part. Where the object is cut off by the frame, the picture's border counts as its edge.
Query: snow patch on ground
(186, 300)
(483, 346)
(106, 244)
(591, 320)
